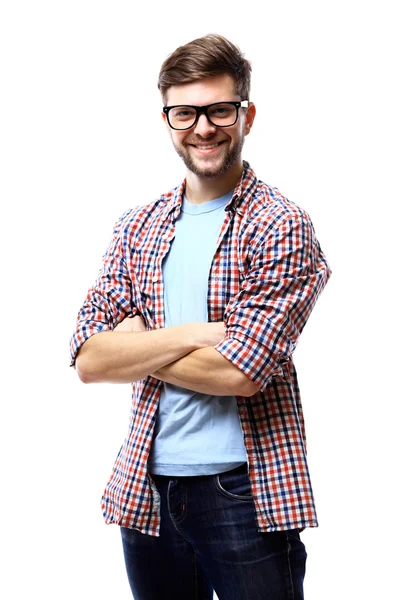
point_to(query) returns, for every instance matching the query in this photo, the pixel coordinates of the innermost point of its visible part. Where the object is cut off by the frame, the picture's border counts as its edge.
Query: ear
(164, 118)
(250, 117)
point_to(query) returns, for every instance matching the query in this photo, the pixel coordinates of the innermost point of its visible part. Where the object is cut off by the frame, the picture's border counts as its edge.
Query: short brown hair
(207, 56)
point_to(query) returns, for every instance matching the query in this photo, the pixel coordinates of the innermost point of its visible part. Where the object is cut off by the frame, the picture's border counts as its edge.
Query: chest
(224, 249)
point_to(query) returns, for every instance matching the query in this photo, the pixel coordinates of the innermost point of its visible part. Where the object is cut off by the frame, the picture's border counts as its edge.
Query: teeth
(207, 147)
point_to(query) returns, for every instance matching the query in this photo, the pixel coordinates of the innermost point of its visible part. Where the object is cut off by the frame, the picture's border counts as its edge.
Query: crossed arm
(182, 355)
(207, 371)
(287, 273)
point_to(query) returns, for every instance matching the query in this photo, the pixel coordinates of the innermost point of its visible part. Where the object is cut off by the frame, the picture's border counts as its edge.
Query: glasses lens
(222, 114)
(182, 117)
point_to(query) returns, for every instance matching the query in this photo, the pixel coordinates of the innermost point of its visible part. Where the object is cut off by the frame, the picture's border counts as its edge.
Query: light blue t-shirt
(195, 434)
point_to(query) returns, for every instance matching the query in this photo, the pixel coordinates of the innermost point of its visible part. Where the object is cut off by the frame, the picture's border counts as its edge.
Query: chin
(208, 172)
(204, 170)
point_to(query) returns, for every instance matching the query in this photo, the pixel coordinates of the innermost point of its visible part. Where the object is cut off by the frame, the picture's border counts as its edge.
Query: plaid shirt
(265, 278)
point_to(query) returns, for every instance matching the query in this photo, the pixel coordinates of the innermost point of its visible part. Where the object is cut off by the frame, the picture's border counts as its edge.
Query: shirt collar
(243, 192)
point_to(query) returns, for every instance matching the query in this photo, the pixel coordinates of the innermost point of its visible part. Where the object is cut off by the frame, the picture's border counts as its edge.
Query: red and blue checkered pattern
(266, 276)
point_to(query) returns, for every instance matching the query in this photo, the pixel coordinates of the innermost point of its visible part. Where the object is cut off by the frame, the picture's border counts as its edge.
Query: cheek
(177, 137)
(237, 131)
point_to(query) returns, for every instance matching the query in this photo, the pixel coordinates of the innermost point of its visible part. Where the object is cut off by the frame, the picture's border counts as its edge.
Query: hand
(131, 325)
(208, 334)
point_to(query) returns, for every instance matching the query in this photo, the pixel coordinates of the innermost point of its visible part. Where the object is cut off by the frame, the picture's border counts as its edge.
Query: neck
(199, 189)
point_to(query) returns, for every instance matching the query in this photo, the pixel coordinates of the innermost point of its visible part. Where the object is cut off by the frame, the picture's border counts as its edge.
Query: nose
(203, 126)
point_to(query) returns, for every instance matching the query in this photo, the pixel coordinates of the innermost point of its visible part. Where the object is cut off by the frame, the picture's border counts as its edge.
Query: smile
(206, 147)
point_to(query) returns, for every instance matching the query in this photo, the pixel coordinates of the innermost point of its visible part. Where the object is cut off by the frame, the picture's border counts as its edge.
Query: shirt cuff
(82, 334)
(252, 359)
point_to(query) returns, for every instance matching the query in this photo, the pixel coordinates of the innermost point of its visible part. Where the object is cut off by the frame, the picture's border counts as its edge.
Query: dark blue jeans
(209, 541)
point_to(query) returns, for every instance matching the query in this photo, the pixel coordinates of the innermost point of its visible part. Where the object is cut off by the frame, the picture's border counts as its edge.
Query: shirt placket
(215, 308)
(166, 237)
(215, 282)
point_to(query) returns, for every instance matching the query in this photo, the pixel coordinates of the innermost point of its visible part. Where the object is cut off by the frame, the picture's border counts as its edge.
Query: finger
(125, 325)
(138, 324)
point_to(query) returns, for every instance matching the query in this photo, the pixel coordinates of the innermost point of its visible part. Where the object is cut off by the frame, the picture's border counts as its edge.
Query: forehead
(204, 91)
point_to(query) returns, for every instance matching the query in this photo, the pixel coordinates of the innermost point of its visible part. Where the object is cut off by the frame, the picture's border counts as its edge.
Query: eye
(220, 111)
(223, 113)
(182, 113)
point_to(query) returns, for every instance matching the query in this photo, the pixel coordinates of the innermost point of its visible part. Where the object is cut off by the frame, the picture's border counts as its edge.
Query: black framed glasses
(219, 114)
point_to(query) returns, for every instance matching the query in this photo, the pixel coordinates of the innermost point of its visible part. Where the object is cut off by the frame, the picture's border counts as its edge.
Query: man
(200, 302)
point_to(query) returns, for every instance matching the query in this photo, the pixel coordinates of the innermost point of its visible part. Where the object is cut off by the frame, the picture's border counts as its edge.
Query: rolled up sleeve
(109, 300)
(287, 273)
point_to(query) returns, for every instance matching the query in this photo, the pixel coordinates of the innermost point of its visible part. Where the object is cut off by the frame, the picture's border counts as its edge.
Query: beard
(226, 161)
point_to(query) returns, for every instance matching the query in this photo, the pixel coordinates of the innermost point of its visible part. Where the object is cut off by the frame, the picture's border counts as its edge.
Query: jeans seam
(195, 574)
(184, 508)
(289, 567)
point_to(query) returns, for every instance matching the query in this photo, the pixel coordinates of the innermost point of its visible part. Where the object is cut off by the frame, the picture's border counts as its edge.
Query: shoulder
(270, 218)
(147, 215)
(264, 206)
(269, 208)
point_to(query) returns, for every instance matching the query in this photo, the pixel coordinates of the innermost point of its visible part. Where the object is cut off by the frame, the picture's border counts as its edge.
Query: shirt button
(165, 236)
(155, 279)
(157, 326)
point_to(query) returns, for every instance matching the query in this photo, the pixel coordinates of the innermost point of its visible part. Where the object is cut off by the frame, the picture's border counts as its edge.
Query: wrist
(193, 336)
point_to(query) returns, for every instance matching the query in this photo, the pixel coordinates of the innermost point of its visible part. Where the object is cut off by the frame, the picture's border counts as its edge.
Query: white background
(81, 141)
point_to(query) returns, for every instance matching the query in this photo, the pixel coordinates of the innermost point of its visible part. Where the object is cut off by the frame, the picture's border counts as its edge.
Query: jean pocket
(234, 485)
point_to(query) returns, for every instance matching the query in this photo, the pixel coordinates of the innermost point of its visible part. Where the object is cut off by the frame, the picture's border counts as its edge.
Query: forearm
(206, 371)
(122, 357)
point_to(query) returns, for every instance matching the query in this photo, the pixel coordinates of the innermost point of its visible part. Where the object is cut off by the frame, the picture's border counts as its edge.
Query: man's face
(207, 150)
